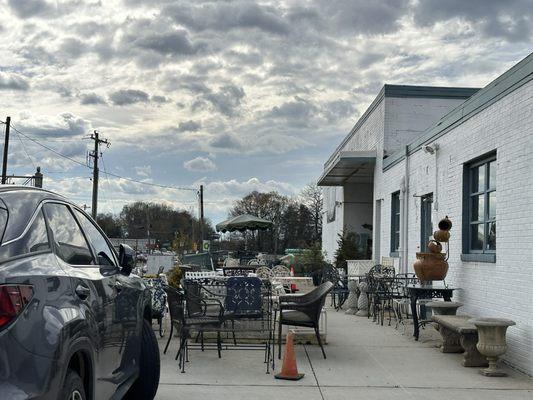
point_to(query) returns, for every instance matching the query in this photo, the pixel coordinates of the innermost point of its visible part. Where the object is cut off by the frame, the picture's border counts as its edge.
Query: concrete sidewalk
(365, 361)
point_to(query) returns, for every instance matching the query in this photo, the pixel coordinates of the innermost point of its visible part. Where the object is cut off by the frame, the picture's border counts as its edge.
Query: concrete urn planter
(492, 343)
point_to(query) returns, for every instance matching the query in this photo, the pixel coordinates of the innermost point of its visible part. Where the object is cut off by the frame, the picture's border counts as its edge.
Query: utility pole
(6, 147)
(201, 214)
(148, 230)
(96, 154)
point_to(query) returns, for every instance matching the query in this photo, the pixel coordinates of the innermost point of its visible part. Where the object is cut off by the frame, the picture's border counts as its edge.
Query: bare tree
(313, 199)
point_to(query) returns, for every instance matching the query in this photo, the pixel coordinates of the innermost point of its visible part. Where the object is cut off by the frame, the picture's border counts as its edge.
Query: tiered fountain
(433, 265)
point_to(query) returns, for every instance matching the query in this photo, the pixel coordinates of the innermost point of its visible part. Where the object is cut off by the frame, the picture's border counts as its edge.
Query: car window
(69, 240)
(104, 253)
(3, 221)
(35, 239)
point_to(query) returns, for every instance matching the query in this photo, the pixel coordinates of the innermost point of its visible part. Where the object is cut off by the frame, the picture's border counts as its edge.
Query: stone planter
(362, 301)
(351, 301)
(444, 307)
(492, 343)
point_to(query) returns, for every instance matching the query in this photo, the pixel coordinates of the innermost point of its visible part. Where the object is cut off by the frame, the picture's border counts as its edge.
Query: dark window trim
(97, 227)
(394, 254)
(468, 254)
(479, 257)
(395, 230)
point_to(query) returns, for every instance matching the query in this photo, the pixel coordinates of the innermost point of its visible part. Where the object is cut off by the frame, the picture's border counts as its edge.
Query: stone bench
(458, 335)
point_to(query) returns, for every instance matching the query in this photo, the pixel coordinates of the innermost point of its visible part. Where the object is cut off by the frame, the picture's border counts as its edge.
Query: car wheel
(145, 387)
(73, 387)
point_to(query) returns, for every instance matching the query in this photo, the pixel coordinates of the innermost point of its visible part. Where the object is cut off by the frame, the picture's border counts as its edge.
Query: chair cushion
(296, 316)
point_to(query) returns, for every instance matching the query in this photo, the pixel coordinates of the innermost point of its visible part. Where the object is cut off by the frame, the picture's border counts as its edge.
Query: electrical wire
(107, 173)
(49, 148)
(150, 183)
(25, 151)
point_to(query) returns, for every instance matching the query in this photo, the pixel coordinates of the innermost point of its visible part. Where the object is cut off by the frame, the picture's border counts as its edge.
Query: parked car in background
(74, 322)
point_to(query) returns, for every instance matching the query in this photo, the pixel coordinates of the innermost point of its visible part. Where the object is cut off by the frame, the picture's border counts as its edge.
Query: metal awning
(349, 167)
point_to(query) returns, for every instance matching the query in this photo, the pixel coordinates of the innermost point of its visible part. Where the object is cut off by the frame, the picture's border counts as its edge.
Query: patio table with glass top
(426, 291)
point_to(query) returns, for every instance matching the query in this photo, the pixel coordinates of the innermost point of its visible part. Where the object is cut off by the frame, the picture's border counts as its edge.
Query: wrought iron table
(426, 291)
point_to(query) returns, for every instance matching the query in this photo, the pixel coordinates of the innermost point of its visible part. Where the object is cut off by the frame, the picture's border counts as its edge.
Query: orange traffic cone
(289, 370)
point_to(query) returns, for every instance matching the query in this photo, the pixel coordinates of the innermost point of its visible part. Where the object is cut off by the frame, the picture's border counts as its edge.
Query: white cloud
(237, 189)
(280, 81)
(200, 164)
(144, 171)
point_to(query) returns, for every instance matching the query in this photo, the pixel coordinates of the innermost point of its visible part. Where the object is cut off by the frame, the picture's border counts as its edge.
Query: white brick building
(480, 174)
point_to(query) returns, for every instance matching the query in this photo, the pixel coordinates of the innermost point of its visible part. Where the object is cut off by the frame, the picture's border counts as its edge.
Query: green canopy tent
(245, 222)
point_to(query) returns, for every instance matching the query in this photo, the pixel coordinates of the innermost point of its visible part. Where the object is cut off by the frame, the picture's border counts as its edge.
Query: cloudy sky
(237, 95)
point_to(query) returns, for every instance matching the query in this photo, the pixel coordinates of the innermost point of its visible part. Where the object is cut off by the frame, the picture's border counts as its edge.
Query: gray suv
(74, 322)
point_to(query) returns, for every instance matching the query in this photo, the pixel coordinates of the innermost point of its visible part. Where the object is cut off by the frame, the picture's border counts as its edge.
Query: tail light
(13, 299)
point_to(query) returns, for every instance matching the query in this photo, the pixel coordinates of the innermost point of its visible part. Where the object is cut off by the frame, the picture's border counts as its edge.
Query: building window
(395, 222)
(479, 227)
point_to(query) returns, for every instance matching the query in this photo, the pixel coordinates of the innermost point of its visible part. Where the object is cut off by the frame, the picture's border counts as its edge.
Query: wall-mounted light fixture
(430, 148)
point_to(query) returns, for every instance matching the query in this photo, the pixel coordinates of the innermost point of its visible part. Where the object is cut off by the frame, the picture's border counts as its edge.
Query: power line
(107, 173)
(49, 148)
(151, 184)
(24, 147)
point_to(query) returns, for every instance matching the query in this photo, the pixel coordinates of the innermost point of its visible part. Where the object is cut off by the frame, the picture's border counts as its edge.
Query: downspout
(436, 201)
(404, 216)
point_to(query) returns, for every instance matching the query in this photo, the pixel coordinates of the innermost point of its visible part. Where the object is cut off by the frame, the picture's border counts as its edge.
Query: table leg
(415, 316)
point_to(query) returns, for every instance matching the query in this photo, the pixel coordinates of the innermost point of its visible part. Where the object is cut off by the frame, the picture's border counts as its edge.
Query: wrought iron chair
(248, 310)
(376, 287)
(340, 291)
(231, 262)
(401, 300)
(303, 311)
(280, 271)
(159, 301)
(242, 270)
(264, 272)
(188, 312)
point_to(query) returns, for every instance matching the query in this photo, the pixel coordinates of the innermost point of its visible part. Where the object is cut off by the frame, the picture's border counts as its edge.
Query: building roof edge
(506, 83)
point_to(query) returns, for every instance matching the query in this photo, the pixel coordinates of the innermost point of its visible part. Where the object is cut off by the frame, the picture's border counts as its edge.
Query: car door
(94, 293)
(126, 312)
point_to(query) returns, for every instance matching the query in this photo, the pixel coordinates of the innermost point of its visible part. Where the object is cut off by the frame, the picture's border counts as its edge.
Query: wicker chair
(303, 311)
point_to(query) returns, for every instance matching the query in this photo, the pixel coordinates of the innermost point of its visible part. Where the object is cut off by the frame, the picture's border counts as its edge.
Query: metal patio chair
(303, 310)
(190, 312)
(340, 291)
(248, 312)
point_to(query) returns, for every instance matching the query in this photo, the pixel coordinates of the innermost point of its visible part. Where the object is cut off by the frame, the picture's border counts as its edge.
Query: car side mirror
(126, 256)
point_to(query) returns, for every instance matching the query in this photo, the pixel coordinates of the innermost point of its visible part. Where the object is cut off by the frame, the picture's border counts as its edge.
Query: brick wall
(505, 288)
